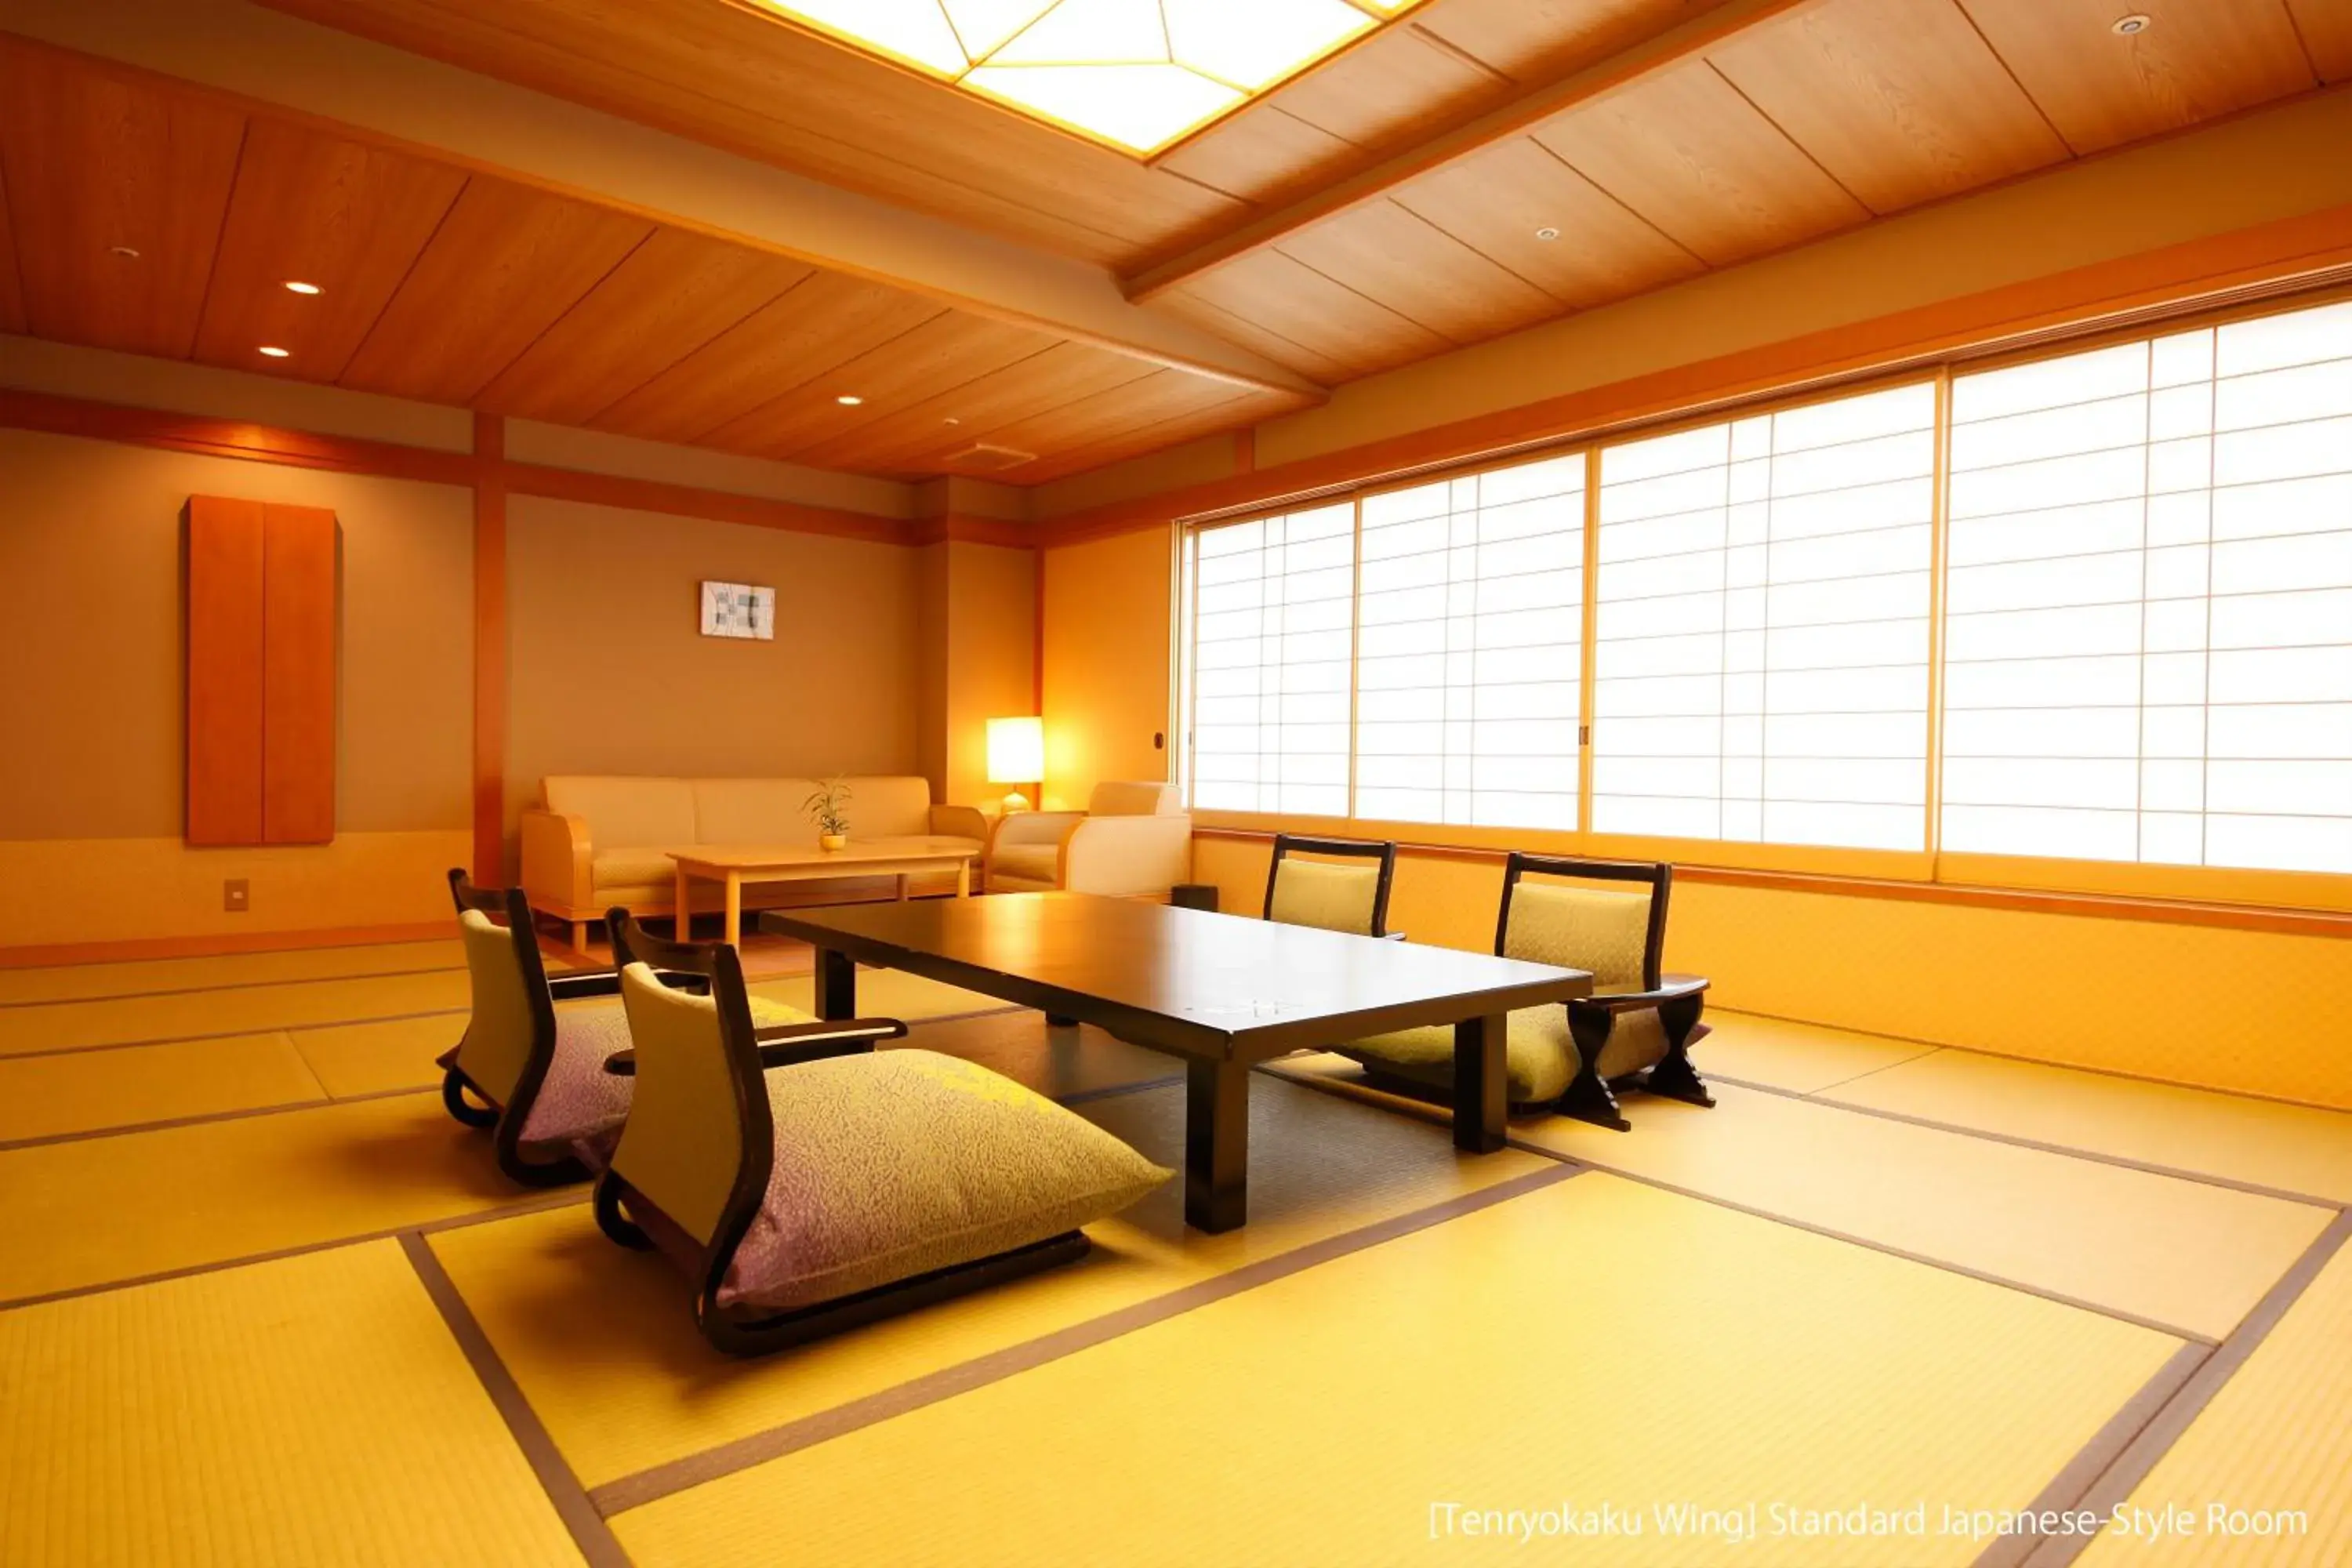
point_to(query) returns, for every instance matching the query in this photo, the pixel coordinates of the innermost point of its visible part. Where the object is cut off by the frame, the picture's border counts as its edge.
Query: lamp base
(1014, 801)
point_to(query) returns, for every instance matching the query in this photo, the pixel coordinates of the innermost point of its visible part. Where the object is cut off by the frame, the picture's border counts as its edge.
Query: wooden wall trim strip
(966, 528)
(686, 501)
(210, 437)
(2081, 299)
(2094, 906)
(489, 651)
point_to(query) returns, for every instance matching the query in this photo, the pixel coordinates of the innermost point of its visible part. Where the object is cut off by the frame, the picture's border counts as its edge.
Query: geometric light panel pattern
(1140, 75)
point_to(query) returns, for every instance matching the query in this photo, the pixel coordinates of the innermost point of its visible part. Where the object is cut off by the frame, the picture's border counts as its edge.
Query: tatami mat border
(241, 1114)
(234, 1034)
(2116, 1480)
(2205, 1178)
(230, 986)
(1437, 1114)
(589, 1532)
(697, 1469)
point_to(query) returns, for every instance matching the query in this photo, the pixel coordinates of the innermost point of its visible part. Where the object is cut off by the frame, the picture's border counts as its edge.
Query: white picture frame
(743, 611)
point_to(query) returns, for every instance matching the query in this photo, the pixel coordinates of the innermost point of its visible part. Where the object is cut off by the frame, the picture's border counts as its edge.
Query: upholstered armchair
(1634, 1030)
(1343, 898)
(1132, 840)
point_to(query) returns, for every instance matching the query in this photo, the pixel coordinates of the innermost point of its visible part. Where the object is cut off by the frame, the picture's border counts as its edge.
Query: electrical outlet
(237, 896)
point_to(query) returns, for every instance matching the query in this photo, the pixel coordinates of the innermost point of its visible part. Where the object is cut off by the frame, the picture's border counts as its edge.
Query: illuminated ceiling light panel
(1138, 74)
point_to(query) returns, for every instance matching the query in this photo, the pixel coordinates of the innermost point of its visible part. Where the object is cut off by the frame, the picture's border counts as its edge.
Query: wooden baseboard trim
(2031, 900)
(60, 954)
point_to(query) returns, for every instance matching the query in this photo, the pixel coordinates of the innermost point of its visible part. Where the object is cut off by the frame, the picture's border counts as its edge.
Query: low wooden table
(1219, 991)
(901, 857)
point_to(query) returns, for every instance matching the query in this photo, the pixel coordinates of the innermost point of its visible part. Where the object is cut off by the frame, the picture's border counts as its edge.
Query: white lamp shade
(1016, 751)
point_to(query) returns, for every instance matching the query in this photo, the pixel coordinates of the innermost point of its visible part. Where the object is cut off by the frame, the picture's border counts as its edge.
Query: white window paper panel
(1271, 647)
(2148, 637)
(1470, 650)
(1762, 663)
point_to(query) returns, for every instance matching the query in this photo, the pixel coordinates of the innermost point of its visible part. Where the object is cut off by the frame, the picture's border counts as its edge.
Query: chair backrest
(1335, 898)
(1620, 936)
(699, 1141)
(510, 1037)
(1134, 797)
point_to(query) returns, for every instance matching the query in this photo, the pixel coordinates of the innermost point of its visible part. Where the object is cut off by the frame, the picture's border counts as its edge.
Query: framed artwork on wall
(739, 610)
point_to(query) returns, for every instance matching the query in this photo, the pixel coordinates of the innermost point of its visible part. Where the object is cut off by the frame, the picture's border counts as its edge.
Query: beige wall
(1107, 674)
(610, 673)
(89, 593)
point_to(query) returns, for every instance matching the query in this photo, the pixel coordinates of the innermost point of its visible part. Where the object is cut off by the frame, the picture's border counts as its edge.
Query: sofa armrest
(1126, 856)
(555, 862)
(959, 822)
(1036, 826)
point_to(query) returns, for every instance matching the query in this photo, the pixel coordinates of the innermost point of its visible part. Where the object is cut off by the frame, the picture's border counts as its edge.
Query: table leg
(963, 878)
(902, 887)
(681, 926)
(836, 984)
(734, 910)
(1216, 1145)
(1479, 1083)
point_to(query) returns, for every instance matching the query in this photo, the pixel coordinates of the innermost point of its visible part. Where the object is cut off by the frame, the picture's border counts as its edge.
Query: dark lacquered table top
(1260, 986)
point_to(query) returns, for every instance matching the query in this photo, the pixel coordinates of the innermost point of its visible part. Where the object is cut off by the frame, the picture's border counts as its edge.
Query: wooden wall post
(489, 650)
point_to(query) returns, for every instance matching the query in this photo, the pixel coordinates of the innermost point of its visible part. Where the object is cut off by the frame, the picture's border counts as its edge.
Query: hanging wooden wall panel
(297, 688)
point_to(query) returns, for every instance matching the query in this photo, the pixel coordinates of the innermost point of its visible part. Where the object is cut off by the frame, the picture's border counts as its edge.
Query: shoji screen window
(1761, 660)
(2150, 645)
(1272, 637)
(1470, 657)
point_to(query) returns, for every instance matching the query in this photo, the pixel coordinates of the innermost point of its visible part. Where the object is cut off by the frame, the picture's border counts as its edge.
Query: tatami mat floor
(262, 1302)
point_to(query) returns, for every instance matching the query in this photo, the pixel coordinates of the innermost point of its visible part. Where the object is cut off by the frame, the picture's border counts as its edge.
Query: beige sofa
(1133, 841)
(599, 839)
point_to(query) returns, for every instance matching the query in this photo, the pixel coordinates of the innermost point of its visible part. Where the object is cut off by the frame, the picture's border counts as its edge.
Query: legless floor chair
(828, 1185)
(1633, 1031)
(535, 1074)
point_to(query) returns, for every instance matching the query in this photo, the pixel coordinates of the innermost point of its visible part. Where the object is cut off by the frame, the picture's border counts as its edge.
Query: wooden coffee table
(901, 857)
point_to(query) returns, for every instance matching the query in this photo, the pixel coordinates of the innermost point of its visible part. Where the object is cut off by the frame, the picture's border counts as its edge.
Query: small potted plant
(825, 808)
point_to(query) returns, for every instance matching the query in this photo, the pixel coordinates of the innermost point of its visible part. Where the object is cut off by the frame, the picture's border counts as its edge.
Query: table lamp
(1016, 755)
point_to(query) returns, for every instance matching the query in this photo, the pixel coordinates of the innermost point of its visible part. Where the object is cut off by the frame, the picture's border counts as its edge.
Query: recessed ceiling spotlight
(269, 352)
(1547, 232)
(849, 400)
(2125, 27)
(951, 419)
(124, 251)
(293, 287)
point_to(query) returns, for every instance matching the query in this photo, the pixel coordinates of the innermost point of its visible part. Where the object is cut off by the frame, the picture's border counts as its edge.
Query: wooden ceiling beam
(1685, 41)
(268, 63)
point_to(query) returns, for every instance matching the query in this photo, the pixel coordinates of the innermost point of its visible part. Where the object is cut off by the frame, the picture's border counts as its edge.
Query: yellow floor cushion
(1538, 1053)
(897, 1164)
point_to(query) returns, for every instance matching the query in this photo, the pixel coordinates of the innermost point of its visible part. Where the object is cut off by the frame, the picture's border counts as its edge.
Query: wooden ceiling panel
(950, 350)
(1193, 306)
(503, 268)
(796, 339)
(1534, 40)
(1176, 415)
(731, 76)
(676, 294)
(1419, 271)
(1899, 100)
(1261, 154)
(1684, 151)
(1495, 201)
(12, 290)
(919, 438)
(1390, 88)
(2196, 59)
(1293, 303)
(91, 163)
(350, 218)
(2325, 26)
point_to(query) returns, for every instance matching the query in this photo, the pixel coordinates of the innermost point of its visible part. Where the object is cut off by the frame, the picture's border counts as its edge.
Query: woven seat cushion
(581, 1107)
(1335, 898)
(895, 1164)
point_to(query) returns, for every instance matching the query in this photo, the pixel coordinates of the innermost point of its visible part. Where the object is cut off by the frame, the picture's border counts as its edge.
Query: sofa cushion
(889, 806)
(1030, 862)
(1132, 798)
(625, 813)
(747, 812)
(893, 1164)
(609, 868)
